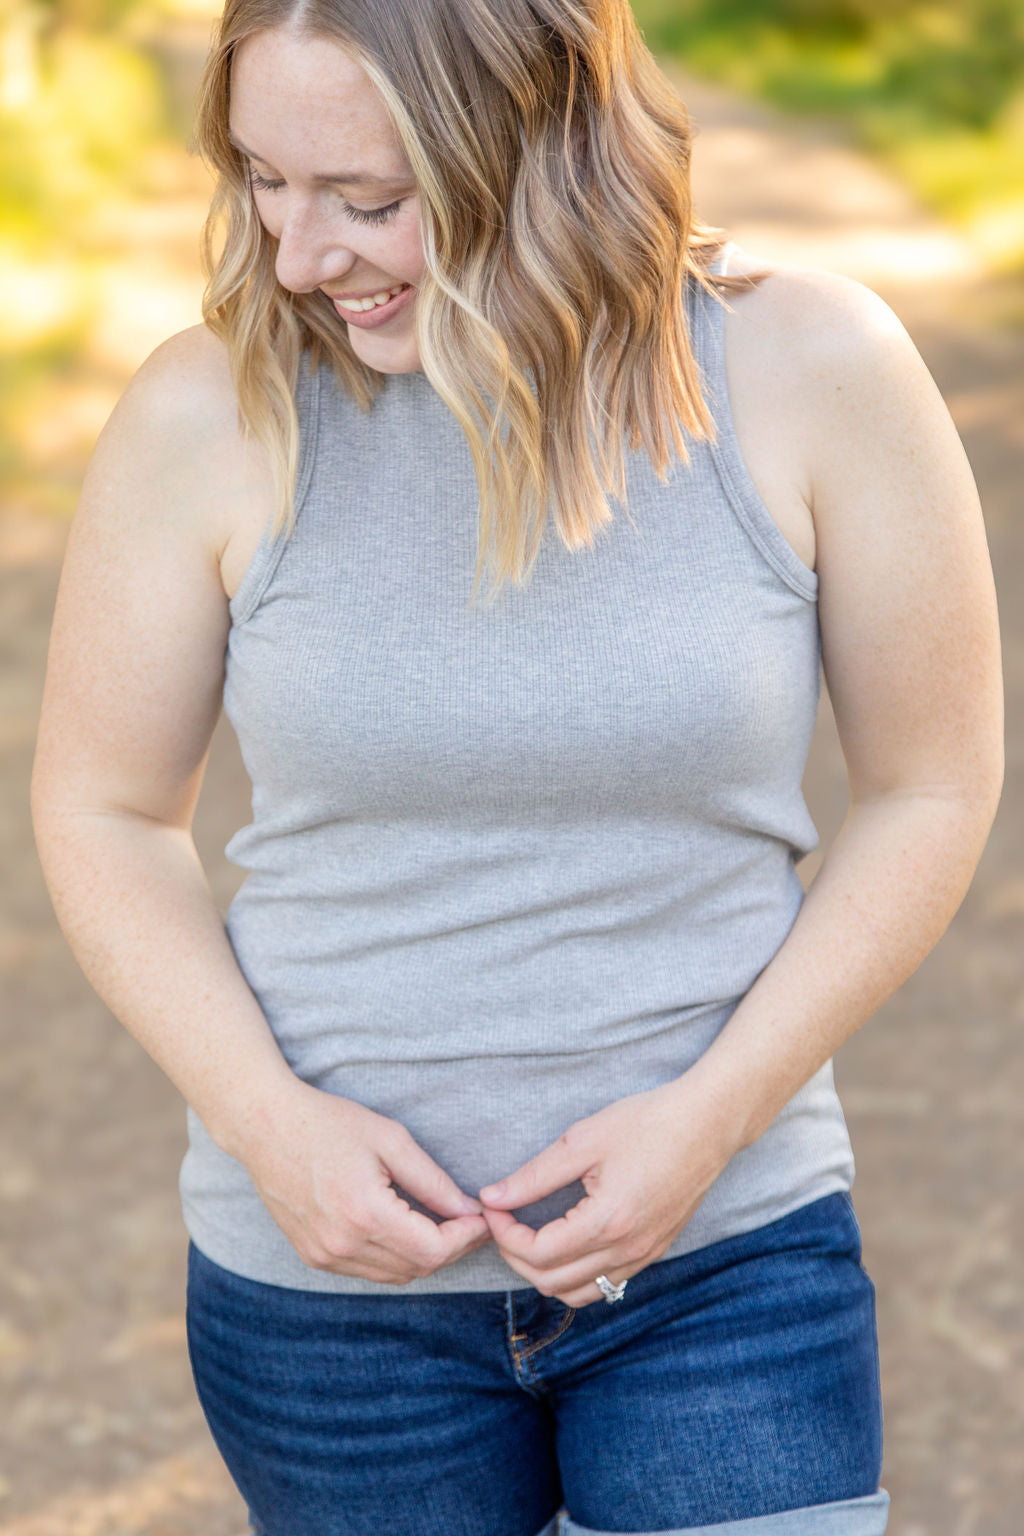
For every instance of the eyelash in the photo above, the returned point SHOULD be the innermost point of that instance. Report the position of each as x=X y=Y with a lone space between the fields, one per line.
x=361 y=215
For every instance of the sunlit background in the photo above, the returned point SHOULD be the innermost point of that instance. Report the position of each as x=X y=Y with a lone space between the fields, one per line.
x=100 y=205
x=880 y=138
x=100 y=210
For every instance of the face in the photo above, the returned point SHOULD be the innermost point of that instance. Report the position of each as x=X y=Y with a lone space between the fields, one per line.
x=332 y=184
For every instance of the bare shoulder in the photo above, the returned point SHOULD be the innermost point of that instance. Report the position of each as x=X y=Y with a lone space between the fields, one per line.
x=184 y=385
x=906 y=600
x=793 y=293
x=828 y=392
x=849 y=376
x=173 y=449
x=813 y=327
x=795 y=342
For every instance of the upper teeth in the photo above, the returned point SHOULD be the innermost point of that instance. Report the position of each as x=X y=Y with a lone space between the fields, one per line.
x=374 y=300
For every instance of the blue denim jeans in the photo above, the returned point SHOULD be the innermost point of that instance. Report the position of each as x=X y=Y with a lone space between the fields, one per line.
x=734 y=1389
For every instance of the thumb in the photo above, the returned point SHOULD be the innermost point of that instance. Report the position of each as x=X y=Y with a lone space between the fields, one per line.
x=553 y=1168
x=417 y=1173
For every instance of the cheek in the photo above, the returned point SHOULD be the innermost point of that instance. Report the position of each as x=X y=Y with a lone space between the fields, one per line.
x=408 y=250
x=270 y=217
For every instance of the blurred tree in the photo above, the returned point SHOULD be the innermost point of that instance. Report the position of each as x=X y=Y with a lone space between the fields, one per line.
x=961 y=64
x=77 y=102
x=83 y=109
x=950 y=61
x=88 y=14
x=935 y=86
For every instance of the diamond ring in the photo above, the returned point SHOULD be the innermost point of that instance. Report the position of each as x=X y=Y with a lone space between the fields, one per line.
x=608 y=1291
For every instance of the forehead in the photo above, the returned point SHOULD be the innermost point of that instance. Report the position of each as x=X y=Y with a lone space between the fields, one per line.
x=313 y=96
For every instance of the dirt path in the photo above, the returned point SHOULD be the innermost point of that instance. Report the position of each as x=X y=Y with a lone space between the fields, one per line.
x=101 y=1435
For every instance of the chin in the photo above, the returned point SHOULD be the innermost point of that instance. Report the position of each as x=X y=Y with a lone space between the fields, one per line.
x=390 y=360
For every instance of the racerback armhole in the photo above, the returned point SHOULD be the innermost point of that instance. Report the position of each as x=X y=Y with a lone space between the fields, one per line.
x=271 y=547
x=726 y=454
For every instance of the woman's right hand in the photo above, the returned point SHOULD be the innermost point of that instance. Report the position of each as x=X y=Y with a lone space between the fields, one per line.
x=325 y=1173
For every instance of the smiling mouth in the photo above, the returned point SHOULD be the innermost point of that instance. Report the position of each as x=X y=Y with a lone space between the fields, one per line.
x=371 y=316
x=373 y=301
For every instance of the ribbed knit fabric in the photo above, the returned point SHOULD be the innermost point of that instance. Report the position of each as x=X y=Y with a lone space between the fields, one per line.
x=509 y=864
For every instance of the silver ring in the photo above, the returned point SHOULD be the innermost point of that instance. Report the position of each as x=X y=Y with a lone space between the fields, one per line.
x=608 y=1291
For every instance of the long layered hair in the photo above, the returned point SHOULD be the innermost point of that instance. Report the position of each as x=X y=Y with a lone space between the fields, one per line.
x=552 y=160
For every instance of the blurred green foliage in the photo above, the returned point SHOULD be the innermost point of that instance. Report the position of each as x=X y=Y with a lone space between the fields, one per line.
x=953 y=62
x=935 y=86
x=83 y=108
x=87 y=14
x=77 y=103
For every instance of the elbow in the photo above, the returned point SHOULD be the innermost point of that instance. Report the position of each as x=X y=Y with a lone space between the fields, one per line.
x=42 y=799
x=987 y=791
x=50 y=797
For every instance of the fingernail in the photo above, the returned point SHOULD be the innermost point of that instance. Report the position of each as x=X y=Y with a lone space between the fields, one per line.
x=493 y=1191
x=471 y=1207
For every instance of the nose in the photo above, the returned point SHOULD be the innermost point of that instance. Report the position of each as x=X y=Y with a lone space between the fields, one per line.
x=309 y=253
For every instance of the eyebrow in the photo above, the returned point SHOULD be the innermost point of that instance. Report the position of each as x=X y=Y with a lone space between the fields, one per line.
x=350 y=178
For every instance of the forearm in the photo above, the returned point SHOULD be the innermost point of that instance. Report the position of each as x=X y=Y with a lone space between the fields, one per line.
x=883 y=897
x=136 y=908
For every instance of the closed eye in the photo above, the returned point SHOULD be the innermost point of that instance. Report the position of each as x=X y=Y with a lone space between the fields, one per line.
x=372 y=215
x=361 y=215
x=261 y=184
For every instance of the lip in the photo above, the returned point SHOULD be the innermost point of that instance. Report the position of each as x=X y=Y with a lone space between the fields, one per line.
x=370 y=319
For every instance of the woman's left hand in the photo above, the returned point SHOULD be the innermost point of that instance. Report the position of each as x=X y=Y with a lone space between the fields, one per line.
x=646 y=1162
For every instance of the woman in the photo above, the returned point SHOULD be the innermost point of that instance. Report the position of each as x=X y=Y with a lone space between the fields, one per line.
x=521 y=1008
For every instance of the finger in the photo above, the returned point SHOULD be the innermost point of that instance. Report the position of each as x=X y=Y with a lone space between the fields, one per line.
x=588 y=1291
x=478 y=1224
x=372 y=1261
x=380 y=1274
x=382 y=1262
x=460 y=1235
x=416 y=1239
x=415 y=1170
x=574 y=1236
x=576 y=1286
x=553 y=1168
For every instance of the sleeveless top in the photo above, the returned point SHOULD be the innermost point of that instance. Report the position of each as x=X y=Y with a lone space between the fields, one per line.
x=509 y=864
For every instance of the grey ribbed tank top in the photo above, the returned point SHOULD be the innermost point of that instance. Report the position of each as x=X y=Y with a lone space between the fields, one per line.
x=509 y=864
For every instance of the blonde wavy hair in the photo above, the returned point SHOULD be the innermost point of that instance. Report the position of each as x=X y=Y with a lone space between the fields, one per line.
x=552 y=160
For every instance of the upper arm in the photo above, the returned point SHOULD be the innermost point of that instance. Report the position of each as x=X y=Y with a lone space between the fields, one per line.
x=136 y=663
x=906 y=597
